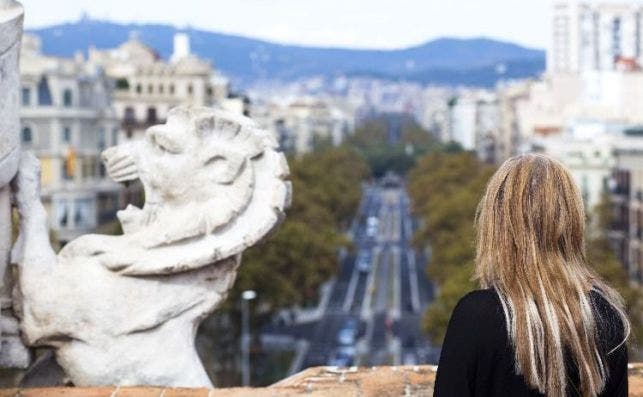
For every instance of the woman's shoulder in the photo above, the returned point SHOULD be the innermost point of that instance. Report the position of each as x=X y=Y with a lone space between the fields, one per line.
x=480 y=305
x=479 y=317
x=479 y=299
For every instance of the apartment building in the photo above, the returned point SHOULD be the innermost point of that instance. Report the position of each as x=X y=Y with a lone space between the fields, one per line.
x=67 y=120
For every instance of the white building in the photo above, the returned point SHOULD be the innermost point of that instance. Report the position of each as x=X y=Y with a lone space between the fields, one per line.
x=67 y=120
x=587 y=149
x=146 y=86
x=590 y=36
x=548 y=106
x=474 y=120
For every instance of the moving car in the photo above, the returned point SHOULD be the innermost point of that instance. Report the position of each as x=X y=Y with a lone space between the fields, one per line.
x=347 y=334
x=344 y=356
x=372 y=224
x=363 y=262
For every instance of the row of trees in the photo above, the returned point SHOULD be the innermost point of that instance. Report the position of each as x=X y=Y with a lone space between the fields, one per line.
x=445 y=189
x=288 y=268
x=392 y=143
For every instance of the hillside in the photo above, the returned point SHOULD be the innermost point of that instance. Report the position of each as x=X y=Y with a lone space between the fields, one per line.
x=445 y=60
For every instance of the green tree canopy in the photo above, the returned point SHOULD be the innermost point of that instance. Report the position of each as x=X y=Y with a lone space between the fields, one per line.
x=289 y=266
x=387 y=150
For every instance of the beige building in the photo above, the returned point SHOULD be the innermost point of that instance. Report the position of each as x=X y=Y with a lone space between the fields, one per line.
x=546 y=107
x=301 y=124
x=67 y=120
x=146 y=86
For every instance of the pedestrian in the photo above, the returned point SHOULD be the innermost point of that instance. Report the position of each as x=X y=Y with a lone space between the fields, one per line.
x=544 y=322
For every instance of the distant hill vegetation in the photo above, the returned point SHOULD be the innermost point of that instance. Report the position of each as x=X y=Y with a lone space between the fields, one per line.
x=477 y=61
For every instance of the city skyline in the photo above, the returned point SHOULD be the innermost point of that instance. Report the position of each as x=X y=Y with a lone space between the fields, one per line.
x=332 y=23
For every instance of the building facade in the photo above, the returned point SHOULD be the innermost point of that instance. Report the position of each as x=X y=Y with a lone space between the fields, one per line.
x=474 y=121
x=588 y=36
x=587 y=149
x=67 y=120
x=304 y=123
x=147 y=87
x=626 y=231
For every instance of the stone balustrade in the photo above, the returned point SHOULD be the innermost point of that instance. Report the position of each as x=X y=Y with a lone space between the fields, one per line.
x=415 y=381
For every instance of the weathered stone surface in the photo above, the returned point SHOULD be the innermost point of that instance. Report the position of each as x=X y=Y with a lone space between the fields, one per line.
x=413 y=381
x=12 y=352
x=123 y=310
x=11 y=15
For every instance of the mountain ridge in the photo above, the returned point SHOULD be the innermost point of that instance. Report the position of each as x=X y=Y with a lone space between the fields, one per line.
x=248 y=59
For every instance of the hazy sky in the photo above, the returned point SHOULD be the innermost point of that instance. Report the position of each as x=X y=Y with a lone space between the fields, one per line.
x=346 y=23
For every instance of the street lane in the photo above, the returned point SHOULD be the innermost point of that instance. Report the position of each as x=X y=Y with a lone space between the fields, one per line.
x=381 y=286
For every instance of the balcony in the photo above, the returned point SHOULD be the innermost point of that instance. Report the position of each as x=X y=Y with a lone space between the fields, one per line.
x=131 y=124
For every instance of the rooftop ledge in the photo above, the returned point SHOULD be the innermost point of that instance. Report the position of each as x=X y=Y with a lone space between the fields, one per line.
x=416 y=380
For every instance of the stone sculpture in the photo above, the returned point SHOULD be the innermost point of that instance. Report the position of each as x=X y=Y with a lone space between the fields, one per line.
x=123 y=310
x=12 y=351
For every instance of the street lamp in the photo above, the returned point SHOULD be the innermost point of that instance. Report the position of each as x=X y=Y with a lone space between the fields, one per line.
x=246 y=296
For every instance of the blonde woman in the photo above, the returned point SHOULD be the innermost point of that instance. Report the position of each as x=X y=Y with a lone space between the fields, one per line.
x=545 y=323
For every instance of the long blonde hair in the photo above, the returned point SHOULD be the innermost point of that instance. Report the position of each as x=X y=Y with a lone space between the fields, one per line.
x=530 y=248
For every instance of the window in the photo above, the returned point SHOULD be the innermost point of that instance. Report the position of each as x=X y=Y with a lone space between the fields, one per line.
x=139 y=88
x=190 y=89
x=26 y=96
x=66 y=169
x=67 y=98
x=27 y=135
x=585 y=188
x=66 y=135
x=161 y=88
x=63 y=215
x=171 y=88
x=81 y=216
x=44 y=94
x=150 y=89
x=151 y=115
x=102 y=144
x=129 y=117
x=114 y=136
x=122 y=84
x=102 y=172
x=87 y=168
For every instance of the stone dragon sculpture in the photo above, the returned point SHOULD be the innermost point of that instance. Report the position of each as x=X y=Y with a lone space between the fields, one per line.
x=123 y=310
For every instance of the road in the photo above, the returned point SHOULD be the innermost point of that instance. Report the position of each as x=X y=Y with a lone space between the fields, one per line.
x=382 y=286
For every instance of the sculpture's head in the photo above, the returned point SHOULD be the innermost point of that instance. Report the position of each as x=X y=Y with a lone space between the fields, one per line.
x=199 y=156
x=201 y=170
